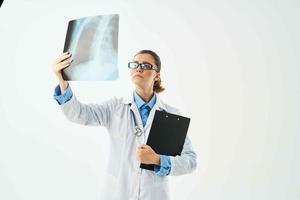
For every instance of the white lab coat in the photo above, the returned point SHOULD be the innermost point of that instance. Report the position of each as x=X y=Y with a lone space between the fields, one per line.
x=125 y=179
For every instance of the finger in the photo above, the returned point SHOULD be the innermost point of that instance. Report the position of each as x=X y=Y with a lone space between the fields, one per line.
x=143 y=146
x=66 y=52
x=138 y=151
x=146 y=147
x=63 y=66
x=65 y=57
x=69 y=60
x=62 y=58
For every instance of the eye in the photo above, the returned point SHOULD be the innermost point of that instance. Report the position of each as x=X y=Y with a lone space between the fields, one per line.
x=133 y=65
x=146 y=66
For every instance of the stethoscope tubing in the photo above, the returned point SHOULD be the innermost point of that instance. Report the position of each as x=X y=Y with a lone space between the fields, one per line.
x=137 y=130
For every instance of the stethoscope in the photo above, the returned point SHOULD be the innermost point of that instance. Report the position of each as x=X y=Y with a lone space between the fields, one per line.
x=137 y=130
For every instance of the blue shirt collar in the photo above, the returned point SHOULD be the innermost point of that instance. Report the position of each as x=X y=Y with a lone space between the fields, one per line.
x=140 y=102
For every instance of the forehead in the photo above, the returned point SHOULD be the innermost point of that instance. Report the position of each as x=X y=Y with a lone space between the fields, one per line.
x=144 y=58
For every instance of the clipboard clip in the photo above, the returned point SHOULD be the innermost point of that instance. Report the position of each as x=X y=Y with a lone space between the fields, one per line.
x=163 y=110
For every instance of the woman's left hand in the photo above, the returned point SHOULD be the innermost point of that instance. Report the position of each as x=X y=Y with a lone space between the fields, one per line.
x=146 y=155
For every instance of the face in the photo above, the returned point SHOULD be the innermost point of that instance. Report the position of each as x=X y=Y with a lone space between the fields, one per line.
x=144 y=78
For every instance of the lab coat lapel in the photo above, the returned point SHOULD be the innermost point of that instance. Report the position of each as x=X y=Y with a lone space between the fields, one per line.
x=159 y=105
x=135 y=111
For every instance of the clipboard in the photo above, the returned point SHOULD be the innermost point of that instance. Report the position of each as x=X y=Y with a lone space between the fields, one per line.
x=167 y=135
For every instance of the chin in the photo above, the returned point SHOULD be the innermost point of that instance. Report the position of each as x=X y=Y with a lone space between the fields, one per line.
x=138 y=83
x=136 y=80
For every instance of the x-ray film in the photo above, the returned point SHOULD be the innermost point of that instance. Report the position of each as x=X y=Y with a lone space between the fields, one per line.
x=93 y=43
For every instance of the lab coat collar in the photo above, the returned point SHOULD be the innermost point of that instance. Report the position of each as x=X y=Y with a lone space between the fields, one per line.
x=140 y=102
x=129 y=100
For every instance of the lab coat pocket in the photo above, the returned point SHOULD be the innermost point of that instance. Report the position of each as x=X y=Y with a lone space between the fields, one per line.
x=161 y=188
x=160 y=179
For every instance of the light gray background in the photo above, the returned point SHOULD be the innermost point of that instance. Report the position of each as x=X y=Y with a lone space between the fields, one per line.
x=232 y=66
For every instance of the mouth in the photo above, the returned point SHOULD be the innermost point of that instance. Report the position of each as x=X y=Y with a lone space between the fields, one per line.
x=137 y=75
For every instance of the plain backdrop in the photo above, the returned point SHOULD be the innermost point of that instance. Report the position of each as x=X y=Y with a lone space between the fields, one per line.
x=232 y=66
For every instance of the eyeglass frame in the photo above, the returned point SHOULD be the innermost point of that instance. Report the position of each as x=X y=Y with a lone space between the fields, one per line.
x=153 y=67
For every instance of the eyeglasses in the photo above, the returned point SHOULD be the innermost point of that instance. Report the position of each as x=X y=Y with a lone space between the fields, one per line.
x=143 y=66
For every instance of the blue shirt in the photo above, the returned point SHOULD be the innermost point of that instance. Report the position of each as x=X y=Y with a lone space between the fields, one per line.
x=144 y=109
x=62 y=98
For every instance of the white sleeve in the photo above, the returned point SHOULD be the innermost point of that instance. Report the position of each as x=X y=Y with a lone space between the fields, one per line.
x=186 y=162
x=89 y=114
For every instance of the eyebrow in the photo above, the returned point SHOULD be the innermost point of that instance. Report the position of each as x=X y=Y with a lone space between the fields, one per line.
x=144 y=62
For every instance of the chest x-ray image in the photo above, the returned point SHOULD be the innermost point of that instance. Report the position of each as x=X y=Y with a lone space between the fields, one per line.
x=93 y=43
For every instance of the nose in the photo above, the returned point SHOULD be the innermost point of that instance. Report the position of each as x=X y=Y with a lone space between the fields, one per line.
x=139 y=69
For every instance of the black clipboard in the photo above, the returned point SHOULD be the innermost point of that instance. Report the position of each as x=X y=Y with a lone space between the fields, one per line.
x=167 y=135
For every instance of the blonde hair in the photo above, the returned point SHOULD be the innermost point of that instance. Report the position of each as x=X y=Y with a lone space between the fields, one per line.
x=157 y=87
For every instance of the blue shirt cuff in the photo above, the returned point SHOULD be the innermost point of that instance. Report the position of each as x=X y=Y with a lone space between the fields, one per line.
x=165 y=166
x=62 y=98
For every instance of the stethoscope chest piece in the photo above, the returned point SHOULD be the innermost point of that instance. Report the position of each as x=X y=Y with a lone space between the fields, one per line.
x=138 y=131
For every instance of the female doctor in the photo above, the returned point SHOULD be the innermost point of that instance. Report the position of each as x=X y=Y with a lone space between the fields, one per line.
x=128 y=122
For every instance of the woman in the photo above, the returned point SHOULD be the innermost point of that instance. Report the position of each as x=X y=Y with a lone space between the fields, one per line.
x=126 y=180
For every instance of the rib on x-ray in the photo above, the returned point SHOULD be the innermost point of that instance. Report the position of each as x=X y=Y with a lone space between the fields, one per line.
x=93 y=43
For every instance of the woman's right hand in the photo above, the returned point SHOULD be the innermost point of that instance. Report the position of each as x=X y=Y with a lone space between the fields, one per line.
x=62 y=62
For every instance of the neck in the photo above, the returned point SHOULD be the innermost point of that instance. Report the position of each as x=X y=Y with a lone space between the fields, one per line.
x=145 y=94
